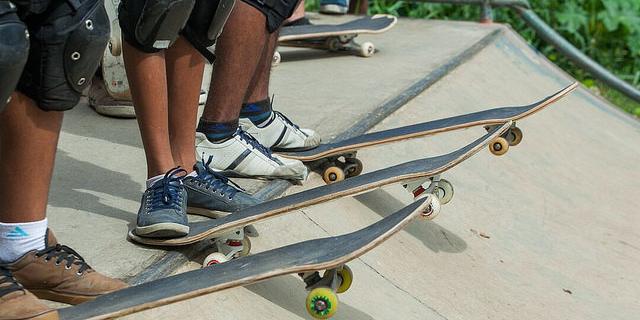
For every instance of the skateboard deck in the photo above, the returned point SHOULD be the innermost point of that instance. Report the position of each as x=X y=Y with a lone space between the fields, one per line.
x=328 y=157
x=305 y=257
x=337 y=37
x=417 y=169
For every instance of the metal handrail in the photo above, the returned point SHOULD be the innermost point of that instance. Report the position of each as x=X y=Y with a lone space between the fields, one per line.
x=523 y=8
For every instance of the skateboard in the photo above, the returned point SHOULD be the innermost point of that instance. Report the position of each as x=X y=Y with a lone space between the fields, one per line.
x=337 y=161
x=427 y=168
x=306 y=258
x=336 y=37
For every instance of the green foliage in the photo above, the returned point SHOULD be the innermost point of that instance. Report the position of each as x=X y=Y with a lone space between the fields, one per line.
x=608 y=31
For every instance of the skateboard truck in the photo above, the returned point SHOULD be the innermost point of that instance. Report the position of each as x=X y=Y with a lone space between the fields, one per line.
x=441 y=188
x=348 y=43
x=228 y=246
x=339 y=167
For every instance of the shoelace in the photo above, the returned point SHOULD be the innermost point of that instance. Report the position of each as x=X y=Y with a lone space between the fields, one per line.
x=214 y=180
x=8 y=283
x=249 y=139
x=286 y=120
x=164 y=193
x=63 y=253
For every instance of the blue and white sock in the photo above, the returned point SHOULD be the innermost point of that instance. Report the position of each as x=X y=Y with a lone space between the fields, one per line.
x=258 y=112
x=217 y=132
x=16 y=239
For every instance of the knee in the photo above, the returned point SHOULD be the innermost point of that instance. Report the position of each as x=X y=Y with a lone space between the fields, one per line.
x=153 y=25
x=14 y=50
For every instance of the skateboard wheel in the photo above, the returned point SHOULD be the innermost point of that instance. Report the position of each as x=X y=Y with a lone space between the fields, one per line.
x=277 y=58
x=333 y=174
x=347 y=279
x=515 y=136
x=322 y=303
x=367 y=49
x=499 y=146
x=432 y=210
x=354 y=167
x=246 y=247
x=334 y=44
x=213 y=259
x=444 y=191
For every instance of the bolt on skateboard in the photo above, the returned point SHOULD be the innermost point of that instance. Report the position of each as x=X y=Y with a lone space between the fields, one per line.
x=307 y=258
x=336 y=37
x=427 y=168
x=337 y=161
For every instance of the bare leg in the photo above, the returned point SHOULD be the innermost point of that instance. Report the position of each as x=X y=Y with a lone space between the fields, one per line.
x=259 y=87
x=185 y=66
x=28 y=140
x=239 y=50
x=148 y=82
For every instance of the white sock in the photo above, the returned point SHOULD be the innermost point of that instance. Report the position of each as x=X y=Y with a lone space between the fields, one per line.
x=192 y=174
x=16 y=239
x=153 y=180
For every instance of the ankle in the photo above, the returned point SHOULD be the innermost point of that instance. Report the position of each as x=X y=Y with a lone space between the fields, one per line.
x=217 y=132
x=257 y=112
x=16 y=239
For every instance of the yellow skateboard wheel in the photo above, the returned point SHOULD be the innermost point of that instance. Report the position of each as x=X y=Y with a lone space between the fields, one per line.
x=322 y=303
x=347 y=279
x=333 y=174
x=499 y=146
x=516 y=136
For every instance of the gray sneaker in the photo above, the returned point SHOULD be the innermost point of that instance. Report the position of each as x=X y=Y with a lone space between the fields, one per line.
x=163 y=210
x=213 y=195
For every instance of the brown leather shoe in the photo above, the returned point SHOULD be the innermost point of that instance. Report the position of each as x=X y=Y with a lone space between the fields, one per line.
x=58 y=273
x=16 y=303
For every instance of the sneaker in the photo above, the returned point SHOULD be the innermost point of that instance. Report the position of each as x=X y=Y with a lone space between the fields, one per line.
x=334 y=6
x=163 y=209
x=280 y=134
x=243 y=156
x=104 y=104
x=213 y=195
x=18 y=303
x=58 y=273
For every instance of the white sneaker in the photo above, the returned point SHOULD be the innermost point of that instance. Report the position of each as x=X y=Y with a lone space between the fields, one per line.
x=243 y=156
x=280 y=134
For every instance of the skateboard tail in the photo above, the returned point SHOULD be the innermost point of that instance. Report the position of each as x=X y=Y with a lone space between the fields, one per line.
x=318 y=254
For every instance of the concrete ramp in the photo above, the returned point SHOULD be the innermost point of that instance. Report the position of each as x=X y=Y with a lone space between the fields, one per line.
x=548 y=230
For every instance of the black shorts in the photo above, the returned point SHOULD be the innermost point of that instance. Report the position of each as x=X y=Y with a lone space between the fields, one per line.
x=195 y=30
x=276 y=11
x=51 y=23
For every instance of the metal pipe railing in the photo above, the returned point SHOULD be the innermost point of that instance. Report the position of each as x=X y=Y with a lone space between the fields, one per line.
x=523 y=8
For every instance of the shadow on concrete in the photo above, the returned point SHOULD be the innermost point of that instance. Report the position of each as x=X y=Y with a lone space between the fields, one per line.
x=78 y=185
x=309 y=54
x=431 y=234
x=84 y=121
x=288 y=293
